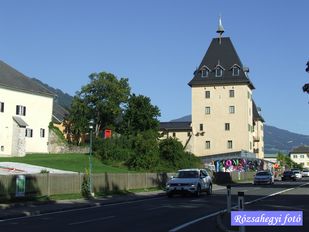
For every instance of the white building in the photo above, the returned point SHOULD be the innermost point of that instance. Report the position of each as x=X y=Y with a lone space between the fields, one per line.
x=300 y=155
x=25 y=113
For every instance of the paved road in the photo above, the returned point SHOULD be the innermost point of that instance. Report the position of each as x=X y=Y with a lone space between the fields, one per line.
x=165 y=214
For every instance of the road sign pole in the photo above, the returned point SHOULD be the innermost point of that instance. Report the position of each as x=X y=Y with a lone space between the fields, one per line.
x=228 y=188
x=241 y=207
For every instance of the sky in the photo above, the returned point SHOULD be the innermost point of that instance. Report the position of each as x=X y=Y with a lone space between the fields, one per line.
x=157 y=44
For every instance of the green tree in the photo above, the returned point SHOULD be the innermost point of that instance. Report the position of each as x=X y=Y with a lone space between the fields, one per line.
x=103 y=100
x=140 y=115
x=76 y=123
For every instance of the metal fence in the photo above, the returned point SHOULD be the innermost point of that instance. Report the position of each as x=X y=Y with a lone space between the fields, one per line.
x=51 y=184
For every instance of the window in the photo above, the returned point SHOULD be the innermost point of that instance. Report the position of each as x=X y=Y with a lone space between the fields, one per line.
x=29 y=133
x=20 y=110
x=207 y=110
x=232 y=93
x=250 y=145
x=235 y=71
x=249 y=95
x=1 y=106
x=219 y=72
x=227 y=126
x=207 y=94
x=201 y=127
x=294 y=156
x=249 y=127
x=42 y=133
x=302 y=156
x=174 y=134
x=232 y=109
x=205 y=72
x=207 y=145
x=229 y=144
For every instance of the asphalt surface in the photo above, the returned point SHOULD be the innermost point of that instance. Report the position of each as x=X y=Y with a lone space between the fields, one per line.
x=156 y=212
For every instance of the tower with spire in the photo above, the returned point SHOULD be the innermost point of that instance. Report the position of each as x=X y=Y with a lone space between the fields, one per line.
x=225 y=119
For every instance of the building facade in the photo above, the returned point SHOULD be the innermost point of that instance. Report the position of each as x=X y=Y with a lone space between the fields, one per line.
x=224 y=116
x=300 y=155
x=25 y=113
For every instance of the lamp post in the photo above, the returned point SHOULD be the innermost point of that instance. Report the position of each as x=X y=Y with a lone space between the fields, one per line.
x=91 y=122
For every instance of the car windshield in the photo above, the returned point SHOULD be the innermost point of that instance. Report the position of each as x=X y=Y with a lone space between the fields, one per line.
x=262 y=174
x=296 y=171
x=187 y=174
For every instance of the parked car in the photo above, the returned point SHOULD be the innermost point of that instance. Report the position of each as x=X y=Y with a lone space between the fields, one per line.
x=297 y=174
x=305 y=172
x=193 y=181
x=288 y=175
x=264 y=177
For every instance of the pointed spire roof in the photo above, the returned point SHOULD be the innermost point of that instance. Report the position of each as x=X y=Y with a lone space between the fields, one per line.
x=221 y=52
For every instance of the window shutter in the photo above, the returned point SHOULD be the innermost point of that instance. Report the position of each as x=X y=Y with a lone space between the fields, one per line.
x=24 y=113
x=17 y=109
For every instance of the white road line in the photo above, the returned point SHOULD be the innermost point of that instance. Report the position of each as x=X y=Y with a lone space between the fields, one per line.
x=92 y=220
x=234 y=207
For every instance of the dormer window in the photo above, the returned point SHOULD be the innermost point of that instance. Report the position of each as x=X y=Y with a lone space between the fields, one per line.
x=205 y=73
x=219 y=72
x=235 y=71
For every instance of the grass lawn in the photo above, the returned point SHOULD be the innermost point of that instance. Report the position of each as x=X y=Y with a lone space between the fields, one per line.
x=69 y=162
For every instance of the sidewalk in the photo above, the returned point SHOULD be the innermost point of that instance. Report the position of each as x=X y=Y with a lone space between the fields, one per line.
x=35 y=208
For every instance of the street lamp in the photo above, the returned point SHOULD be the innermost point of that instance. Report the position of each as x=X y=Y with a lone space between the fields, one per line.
x=91 y=122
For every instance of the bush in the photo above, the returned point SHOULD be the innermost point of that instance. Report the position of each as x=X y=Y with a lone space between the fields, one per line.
x=85 y=185
x=173 y=156
x=146 y=151
x=113 y=149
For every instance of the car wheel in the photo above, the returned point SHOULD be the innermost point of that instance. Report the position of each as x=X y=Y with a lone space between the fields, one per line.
x=209 y=190
x=198 y=191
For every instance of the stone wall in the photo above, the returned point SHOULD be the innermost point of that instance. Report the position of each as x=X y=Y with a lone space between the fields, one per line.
x=56 y=145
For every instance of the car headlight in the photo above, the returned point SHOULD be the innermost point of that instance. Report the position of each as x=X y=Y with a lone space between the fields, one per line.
x=167 y=185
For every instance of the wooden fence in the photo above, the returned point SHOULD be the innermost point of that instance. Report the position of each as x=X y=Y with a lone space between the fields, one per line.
x=51 y=184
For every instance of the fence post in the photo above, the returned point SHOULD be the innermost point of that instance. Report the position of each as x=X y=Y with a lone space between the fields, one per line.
x=48 y=184
x=241 y=207
x=228 y=187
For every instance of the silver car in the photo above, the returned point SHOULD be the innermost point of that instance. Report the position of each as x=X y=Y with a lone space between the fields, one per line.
x=192 y=181
x=264 y=177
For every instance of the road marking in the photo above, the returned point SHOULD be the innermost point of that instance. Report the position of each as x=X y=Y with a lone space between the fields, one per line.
x=234 y=207
x=92 y=220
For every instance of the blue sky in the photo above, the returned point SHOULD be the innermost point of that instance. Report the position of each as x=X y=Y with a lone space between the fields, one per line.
x=157 y=44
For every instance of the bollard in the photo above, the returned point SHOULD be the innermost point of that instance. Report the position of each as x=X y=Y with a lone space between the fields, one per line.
x=228 y=196
x=241 y=207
